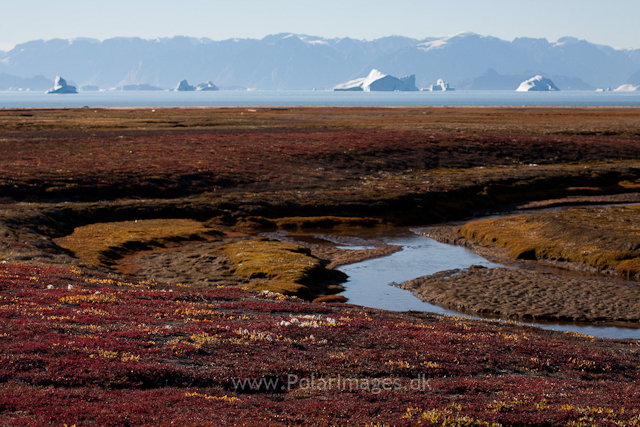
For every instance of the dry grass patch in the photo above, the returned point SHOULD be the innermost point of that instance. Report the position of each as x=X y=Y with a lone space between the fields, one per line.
x=607 y=238
x=104 y=243
x=629 y=185
x=280 y=267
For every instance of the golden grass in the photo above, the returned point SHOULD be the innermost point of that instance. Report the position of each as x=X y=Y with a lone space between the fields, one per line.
x=281 y=266
x=604 y=238
x=629 y=185
x=102 y=243
x=330 y=299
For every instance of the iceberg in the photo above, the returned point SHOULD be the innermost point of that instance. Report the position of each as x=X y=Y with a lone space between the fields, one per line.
x=207 y=86
x=184 y=86
x=61 y=86
x=537 y=84
x=440 y=85
x=378 y=81
x=627 y=88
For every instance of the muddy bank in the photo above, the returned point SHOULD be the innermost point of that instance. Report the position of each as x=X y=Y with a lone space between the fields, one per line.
x=527 y=294
x=448 y=234
x=203 y=264
x=583 y=200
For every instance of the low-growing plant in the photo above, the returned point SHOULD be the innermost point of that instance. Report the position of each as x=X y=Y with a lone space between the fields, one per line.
x=281 y=267
x=603 y=238
x=104 y=243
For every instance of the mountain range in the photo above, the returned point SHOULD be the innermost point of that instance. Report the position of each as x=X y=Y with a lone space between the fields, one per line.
x=292 y=61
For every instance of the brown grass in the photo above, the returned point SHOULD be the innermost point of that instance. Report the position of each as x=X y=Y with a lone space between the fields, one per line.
x=330 y=299
x=607 y=238
x=282 y=267
x=103 y=243
x=538 y=120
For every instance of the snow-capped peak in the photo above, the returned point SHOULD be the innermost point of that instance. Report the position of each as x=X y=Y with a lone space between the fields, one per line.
x=440 y=42
x=83 y=39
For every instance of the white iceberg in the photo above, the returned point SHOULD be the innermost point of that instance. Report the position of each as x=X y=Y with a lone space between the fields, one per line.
x=207 y=86
x=184 y=86
x=441 y=85
x=61 y=86
x=377 y=81
x=627 y=88
x=537 y=84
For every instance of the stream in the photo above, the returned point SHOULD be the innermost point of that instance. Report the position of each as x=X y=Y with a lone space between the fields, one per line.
x=369 y=281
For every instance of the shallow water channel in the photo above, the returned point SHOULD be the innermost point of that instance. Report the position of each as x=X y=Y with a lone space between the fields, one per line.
x=369 y=281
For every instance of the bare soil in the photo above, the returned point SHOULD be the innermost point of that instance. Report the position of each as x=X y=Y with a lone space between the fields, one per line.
x=200 y=265
x=528 y=294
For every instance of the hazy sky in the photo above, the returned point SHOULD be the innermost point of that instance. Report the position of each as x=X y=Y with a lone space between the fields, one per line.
x=613 y=23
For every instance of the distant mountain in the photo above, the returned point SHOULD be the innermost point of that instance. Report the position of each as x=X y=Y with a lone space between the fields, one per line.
x=292 y=61
x=34 y=83
x=140 y=87
x=634 y=79
x=491 y=80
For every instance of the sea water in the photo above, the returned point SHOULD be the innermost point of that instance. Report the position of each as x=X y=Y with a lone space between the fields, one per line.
x=315 y=98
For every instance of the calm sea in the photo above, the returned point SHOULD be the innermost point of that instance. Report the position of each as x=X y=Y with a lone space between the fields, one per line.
x=316 y=98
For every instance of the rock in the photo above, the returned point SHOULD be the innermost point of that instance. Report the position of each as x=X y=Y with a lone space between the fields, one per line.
x=184 y=86
x=377 y=81
x=62 y=87
x=537 y=84
x=207 y=86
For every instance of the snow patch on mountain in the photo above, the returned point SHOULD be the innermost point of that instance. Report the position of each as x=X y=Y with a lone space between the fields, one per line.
x=442 y=42
x=83 y=40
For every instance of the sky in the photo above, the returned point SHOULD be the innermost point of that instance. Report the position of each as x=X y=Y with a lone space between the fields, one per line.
x=615 y=24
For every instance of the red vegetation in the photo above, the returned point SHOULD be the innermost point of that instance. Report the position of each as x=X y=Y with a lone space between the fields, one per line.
x=175 y=165
x=111 y=353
